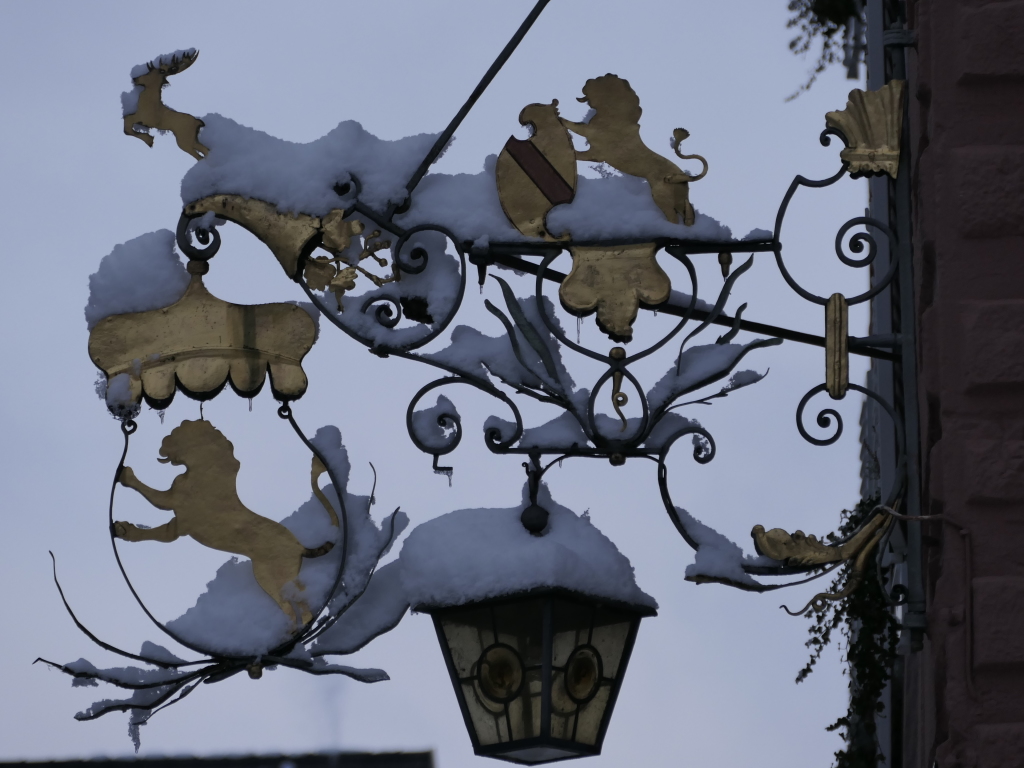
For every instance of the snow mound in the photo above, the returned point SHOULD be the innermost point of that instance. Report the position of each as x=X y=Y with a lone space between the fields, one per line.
x=142 y=274
x=475 y=554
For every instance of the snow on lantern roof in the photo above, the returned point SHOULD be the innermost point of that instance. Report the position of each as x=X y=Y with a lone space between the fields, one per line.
x=476 y=554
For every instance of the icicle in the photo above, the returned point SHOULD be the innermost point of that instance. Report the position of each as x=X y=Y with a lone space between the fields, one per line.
x=161 y=414
x=559 y=463
x=446 y=471
x=250 y=405
x=579 y=324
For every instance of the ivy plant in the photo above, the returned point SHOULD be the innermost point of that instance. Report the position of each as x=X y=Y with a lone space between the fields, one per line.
x=870 y=633
x=824 y=20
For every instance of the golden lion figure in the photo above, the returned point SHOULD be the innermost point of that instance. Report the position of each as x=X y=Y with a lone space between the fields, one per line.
x=205 y=503
x=614 y=136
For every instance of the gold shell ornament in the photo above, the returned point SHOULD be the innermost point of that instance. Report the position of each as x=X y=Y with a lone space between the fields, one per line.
x=872 y=124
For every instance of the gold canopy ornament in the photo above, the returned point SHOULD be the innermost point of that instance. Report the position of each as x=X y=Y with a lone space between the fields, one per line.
x=614 y=280
x=536 y=174
x=872 y=124
x=200 y=342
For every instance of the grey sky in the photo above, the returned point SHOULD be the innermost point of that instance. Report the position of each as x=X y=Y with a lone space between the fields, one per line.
x=711 y=681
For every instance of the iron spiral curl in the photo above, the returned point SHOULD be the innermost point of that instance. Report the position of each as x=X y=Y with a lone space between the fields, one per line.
x=857 y=242
x=492 y=435
x=207 y=237
x=388 y=311
x=824 y=138
x=824 y=419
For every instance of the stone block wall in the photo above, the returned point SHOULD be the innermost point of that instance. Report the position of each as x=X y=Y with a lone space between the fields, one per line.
x=965 y=691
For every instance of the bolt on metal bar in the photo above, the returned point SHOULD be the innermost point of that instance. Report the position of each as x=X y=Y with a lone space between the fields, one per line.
x=446 y=135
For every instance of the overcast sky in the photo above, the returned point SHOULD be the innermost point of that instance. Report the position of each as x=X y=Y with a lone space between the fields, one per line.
x=711 y=680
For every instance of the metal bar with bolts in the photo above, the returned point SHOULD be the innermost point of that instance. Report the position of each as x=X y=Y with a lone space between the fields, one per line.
x=857 y=346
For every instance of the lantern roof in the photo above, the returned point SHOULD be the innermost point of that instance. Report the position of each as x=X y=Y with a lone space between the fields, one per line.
x=471 y=555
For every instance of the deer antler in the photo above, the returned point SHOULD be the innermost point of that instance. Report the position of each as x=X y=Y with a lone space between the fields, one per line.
x=175 y=65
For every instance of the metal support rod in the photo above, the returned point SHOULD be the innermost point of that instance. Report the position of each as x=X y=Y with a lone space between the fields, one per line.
x=915 y=618
x=446 y=135
x=857 y=346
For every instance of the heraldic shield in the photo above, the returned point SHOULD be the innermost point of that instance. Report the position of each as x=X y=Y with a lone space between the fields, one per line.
x=536 y=174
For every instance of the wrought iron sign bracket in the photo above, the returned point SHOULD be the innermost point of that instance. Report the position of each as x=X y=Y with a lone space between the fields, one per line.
x=413 y=256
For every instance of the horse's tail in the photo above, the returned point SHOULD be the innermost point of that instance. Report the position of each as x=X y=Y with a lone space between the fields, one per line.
x=320 y=551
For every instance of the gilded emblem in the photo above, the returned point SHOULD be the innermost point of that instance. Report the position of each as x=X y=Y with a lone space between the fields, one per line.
x=536 y=174
x=205 y=504
x=200 y=342
x=614 y=280
x=872 y=124
x=614 y=136
x=151 y=113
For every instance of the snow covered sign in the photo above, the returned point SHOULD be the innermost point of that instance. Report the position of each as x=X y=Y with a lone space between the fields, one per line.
x=382 y=248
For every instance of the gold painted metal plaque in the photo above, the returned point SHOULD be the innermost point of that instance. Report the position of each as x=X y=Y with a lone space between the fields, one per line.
x=872 y=123
x=538 y=173
x=837 y=355
x=200 y=342
x=206 y=506
x=614 y=280
x=152 y=113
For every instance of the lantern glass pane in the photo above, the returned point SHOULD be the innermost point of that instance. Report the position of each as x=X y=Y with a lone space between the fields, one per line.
x=496 y=652
x=587 y=648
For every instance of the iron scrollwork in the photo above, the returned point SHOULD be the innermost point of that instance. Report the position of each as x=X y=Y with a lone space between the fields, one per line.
x=534 y=341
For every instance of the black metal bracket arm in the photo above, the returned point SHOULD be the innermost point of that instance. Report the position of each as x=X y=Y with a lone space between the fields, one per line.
x=506 y=255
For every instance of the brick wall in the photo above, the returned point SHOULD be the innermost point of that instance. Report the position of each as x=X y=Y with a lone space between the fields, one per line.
x=965 y=696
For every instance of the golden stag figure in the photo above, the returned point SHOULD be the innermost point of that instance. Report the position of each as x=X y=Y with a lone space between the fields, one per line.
x=614 y=136
x=205 y=503
x=152 y=113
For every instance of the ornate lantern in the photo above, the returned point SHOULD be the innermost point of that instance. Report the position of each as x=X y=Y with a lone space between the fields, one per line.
x=537 y=673
x=536 y=615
